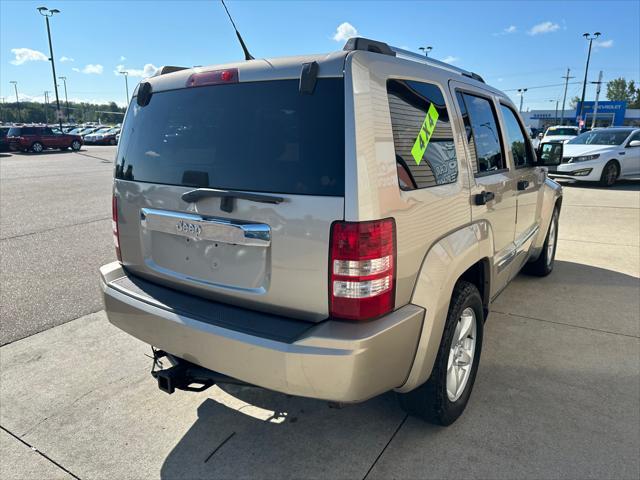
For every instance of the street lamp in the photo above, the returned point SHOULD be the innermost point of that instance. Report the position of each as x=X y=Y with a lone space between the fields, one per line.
x=46 y=106
x=426 y=50
x=66 y=99
x=591 y=38
x=521 y=93
x=556 y=117
x=126 y=83
x=15 y=86
x=45 y=12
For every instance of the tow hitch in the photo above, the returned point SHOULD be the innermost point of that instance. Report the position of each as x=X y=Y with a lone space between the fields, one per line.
x=183 y=375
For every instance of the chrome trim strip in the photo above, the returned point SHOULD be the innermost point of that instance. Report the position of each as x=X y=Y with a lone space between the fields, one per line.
x=526 y=236
x=198 y=227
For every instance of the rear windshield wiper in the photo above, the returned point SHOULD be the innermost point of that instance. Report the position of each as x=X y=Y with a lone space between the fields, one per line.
x=227 y=197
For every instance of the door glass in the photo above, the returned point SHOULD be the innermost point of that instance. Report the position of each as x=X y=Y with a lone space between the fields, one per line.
x=480 y=118
x=516 y=138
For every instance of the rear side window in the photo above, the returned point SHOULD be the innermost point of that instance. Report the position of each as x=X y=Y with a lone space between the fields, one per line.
x=522 y=155
x=482 y=133
x=254 y=136
x=17 y=131
x=422 y=135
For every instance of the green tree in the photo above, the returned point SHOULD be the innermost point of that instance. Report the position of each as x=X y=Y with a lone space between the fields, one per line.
x=622 y=91
x=573 y=103
x=35 y=112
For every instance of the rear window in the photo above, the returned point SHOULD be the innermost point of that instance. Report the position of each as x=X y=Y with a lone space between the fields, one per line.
x=17 y=131
x=255 y=136
x=562 y=131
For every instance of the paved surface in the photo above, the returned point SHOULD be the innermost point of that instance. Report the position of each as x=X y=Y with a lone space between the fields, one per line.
x=55 y=231
x=556 y=396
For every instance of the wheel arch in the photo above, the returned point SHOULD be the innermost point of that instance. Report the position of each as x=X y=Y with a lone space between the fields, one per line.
x=464 y=253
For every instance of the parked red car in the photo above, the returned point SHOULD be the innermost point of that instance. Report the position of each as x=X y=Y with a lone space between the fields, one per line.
x=38 y=139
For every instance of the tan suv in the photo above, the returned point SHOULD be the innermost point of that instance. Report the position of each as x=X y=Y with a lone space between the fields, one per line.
x=330 y=226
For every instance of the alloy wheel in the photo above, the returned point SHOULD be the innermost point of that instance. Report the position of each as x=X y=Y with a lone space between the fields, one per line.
x=461 y=354
x=551 y=242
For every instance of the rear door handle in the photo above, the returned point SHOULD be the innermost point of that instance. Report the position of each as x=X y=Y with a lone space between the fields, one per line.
x=523 y=184
x=484 y=197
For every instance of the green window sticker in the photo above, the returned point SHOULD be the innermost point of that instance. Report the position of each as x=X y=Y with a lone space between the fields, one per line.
x=424 y=135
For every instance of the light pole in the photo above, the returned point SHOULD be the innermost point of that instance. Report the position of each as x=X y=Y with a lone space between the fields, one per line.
x=126 y=83
x=591 y=38
x=46 y=107
x=521 y=92
x=66 y=99
x=564 y=98
x=15 y=86
x=46 y=13
x=426 y=50
x=556 y=116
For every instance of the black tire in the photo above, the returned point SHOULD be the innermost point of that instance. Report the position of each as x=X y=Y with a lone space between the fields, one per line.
x=543 y=266
x=609 y=174
x=75 y=145
x=37 y=147
x=112 y=141
x=430 y=401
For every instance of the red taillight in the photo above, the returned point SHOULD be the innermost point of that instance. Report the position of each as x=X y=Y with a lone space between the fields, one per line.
x=214 y=77
x=362 y=267
x=114 y=226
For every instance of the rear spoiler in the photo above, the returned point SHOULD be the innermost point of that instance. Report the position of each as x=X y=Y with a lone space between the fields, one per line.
x=168 y=69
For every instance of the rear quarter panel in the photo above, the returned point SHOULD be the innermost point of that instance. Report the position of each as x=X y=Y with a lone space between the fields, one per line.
x=371 y=183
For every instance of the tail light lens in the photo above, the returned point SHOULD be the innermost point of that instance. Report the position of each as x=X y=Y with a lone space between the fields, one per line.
x=362 y=277
x=114 y=226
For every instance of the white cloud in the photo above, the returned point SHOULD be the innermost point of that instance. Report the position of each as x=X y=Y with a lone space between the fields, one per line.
x=344 y=32
x=66 y=59
x=544 y=27
x=603 y=44
x=75 y=69
x=450 y=59
x=27 y=55
x=93 y=69
x=122 y=58
x=506 y=31
x=148 y=70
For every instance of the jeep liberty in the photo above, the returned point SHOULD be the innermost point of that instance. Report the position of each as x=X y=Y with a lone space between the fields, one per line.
x=329 y=226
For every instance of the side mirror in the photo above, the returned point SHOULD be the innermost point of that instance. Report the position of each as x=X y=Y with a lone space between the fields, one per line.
x=634 y=143
x=550 y=154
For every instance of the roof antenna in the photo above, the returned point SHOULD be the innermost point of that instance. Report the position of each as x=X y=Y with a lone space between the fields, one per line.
x=247 y=55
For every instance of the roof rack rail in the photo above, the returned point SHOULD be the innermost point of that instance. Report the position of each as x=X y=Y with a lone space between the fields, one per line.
x=368 y=45
x=416 y=57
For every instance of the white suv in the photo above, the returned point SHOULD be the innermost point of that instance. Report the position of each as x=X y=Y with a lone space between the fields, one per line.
x=559 y=134
x=601 y=155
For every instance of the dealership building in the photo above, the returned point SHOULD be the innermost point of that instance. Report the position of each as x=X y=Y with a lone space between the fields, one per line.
x=609 y=114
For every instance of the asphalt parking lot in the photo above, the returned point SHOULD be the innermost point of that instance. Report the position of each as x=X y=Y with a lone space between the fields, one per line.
x=557 y=393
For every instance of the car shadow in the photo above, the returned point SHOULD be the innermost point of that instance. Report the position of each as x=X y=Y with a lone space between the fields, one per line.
x=248 y=432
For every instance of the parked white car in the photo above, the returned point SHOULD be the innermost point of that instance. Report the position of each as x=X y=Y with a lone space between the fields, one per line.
x=601 y=155
x=560 y=133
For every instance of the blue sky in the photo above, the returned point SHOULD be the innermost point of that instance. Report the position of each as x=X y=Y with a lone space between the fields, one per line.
x=511 y=44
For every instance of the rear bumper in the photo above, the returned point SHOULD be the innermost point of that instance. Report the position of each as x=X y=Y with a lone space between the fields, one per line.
x=337 y=361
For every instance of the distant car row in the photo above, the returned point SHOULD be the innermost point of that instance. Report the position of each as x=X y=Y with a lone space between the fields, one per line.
x=39 y=138
x=97 y=135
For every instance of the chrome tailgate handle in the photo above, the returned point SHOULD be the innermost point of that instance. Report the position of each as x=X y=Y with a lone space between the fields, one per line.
x=202 y=228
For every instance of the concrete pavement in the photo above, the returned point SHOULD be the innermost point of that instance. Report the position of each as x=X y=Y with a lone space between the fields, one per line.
x=556 y=396
x=55 y=231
